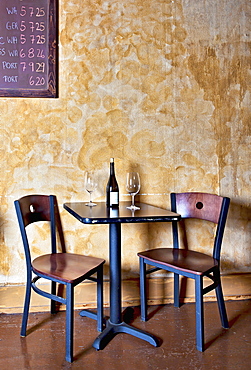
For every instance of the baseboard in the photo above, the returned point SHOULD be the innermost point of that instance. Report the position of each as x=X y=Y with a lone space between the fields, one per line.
x=160 y=290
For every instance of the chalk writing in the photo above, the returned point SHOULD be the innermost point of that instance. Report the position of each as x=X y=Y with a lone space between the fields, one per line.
x=25 y=46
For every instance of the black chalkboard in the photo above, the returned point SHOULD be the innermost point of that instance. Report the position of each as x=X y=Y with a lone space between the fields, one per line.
x=28 y=48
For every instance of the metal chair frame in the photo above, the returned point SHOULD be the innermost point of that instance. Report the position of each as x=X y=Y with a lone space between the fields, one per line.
x=213 y=273
x=45 y=212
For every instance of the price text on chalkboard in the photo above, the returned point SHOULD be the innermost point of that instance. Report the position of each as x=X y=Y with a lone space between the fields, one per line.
x=28 y=48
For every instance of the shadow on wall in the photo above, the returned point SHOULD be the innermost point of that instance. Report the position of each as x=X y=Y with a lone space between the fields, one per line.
x=236 y=251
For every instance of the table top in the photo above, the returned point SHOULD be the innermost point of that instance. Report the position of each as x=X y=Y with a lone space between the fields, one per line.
x=100 y=214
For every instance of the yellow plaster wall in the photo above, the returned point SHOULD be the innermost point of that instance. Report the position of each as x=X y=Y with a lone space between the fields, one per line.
x=162 y=86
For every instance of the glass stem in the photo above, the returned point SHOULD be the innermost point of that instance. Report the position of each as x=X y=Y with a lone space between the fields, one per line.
x=90 y=197
x=133 y=199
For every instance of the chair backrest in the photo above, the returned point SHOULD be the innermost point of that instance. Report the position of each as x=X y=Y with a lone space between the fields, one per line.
x=35 y=208
x=203 y=206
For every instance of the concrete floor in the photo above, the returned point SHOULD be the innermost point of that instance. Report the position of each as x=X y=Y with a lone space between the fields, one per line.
x=44 y=346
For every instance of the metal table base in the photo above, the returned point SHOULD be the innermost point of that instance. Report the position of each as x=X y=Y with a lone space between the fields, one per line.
x=115 y=325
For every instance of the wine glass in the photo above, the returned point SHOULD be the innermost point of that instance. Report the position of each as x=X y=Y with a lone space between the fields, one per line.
x=90 y=186
x=133 y=187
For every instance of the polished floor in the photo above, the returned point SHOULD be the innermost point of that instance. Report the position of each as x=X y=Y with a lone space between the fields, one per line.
x=43 y=348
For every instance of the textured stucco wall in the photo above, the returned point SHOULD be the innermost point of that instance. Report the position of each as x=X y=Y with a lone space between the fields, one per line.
x=162 y=86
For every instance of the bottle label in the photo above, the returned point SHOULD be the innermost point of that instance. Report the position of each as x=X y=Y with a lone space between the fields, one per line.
x=114 y=212
x=114 y=198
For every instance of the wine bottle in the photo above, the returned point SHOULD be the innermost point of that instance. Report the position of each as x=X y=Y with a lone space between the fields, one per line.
x=112 y=188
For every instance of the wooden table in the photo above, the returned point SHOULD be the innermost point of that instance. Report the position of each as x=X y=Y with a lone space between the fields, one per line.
x=100 y=214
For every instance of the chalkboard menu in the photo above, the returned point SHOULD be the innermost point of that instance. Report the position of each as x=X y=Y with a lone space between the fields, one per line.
x=28 y=48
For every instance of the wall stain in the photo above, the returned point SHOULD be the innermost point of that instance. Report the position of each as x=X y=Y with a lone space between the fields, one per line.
x=161 y=86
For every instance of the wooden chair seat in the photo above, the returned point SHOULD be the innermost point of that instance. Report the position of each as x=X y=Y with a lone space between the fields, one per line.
x=181 y=259
x=67 y=267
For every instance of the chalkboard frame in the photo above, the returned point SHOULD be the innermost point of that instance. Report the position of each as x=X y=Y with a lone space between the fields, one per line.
x=52 y=91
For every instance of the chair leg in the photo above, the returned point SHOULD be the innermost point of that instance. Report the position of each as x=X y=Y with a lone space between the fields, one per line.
x=221 y=306
x=26 y=307
x=69 y=322
x=53 y=291
x=100 y=310
x=176 y=290
x=199 y=313
x=143 y=300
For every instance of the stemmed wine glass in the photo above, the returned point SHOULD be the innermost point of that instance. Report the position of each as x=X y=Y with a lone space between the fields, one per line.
x=90 y=186
x=133 y=187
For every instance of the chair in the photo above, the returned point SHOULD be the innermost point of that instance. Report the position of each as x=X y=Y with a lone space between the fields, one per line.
x=63 y=268
x=188 y=263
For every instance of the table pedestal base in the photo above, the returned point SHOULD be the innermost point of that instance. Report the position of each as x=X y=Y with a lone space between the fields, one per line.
x=112 y=329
